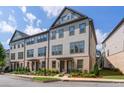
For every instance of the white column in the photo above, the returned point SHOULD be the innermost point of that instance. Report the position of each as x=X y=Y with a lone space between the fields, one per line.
x=34 y=65
x=65 y=66
x=30 y=65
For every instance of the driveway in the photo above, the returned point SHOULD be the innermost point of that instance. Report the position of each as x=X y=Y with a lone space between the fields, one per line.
x=11 y=81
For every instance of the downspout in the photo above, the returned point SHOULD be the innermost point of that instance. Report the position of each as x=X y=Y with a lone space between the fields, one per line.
x=89 y=48
x=24 y=51
x=48 y=48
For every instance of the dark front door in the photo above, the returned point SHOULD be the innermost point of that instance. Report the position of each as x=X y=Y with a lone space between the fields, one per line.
x=61 y=66
x=37 y=65
x=70 y=66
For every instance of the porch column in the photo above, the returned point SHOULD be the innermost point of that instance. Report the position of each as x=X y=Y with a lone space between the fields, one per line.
x=30 y=66
x=65 y=66
x=34 y=66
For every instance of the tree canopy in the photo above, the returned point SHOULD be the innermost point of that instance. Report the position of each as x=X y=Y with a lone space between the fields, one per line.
x=2 y=55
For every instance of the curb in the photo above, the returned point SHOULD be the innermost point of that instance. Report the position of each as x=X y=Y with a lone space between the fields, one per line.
x=46 y=81
x=70 y=80
x=110 y=81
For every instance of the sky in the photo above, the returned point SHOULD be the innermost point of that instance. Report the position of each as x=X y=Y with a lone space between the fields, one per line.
x=35 y=19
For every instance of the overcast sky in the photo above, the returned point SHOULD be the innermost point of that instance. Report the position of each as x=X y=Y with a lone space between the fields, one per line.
x=33 y=20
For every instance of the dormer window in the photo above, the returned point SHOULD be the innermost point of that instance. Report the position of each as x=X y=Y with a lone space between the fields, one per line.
x=63 y=18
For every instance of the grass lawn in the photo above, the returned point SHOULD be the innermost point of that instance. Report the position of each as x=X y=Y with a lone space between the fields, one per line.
x=111 y=74
x=44 y=79
x=113 y=77
x=108 y=72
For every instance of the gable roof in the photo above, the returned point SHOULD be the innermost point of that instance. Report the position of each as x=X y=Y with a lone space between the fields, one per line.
x=17 y=31
x=67 y=8
x=114 y=30
x=28 y=36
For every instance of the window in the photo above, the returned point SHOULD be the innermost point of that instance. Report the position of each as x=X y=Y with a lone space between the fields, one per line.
x=12 y=56
x=22 y=45
x=11 y=47
x=14 y=46
x=77 y=47
x=42 y=51
x=71 y=30
x=30 y=53
x=42 y=38
x=53 y=35
x=30 y=41
x=57 y=50
x=18 y=45
x=43 y=64
x=82 y=27
x=53 y=64
x=20 y=55
x=79 y=64
x=63 y=18
x=61 y=33
x=73 y=16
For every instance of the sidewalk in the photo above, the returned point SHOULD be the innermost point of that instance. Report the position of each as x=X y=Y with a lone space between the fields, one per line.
x=65 y=78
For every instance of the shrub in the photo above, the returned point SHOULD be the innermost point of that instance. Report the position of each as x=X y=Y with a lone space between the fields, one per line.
x=46 y=72
x=89 y=75
x=76 y=73
x=96 y=69
x=21 y=71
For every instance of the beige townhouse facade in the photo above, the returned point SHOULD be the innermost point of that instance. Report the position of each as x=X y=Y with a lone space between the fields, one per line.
x=69 y=44
x=113 y=47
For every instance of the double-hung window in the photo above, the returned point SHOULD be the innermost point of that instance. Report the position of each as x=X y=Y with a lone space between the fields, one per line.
x=53 y=35
x=61 y=33
x=20 y=55
x=82 y=28
x=30 y=53
x=79 y=64
x=71 y=30
x=12 y=56
x=57 y=50
x=42 y=51
x=77 y=47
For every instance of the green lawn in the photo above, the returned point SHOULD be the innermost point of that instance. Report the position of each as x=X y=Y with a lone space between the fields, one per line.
x=44 y=79
x=111 y=74
x=108 y=72
x=113 y=77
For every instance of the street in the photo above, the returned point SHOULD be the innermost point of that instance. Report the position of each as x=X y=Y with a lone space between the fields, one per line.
x=12 y=81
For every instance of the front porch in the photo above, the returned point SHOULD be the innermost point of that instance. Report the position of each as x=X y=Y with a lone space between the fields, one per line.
x=33 y=64
x=66 y=64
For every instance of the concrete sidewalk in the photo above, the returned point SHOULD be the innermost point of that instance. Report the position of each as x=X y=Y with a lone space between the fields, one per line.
x=65 y=78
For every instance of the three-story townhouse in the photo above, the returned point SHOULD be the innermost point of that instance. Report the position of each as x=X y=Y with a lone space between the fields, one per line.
x=69 y=44
x=72 y=42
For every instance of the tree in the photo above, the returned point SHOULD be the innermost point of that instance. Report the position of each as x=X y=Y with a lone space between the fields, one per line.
x=2 y=57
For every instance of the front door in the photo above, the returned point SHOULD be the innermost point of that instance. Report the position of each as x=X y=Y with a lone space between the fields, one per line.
x=62 y=66
x=37 y=65
x=70 y=66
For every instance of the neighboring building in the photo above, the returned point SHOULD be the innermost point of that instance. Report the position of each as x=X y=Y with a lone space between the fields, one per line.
x=113 y=47
x=70 y=43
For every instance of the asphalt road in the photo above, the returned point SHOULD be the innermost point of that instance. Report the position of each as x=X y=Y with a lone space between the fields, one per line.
x=11 y=81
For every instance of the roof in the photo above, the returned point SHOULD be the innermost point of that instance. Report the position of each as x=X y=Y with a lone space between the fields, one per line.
x=24 y=35
x=114 y=30
x=82 y=15
x=31 y=36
